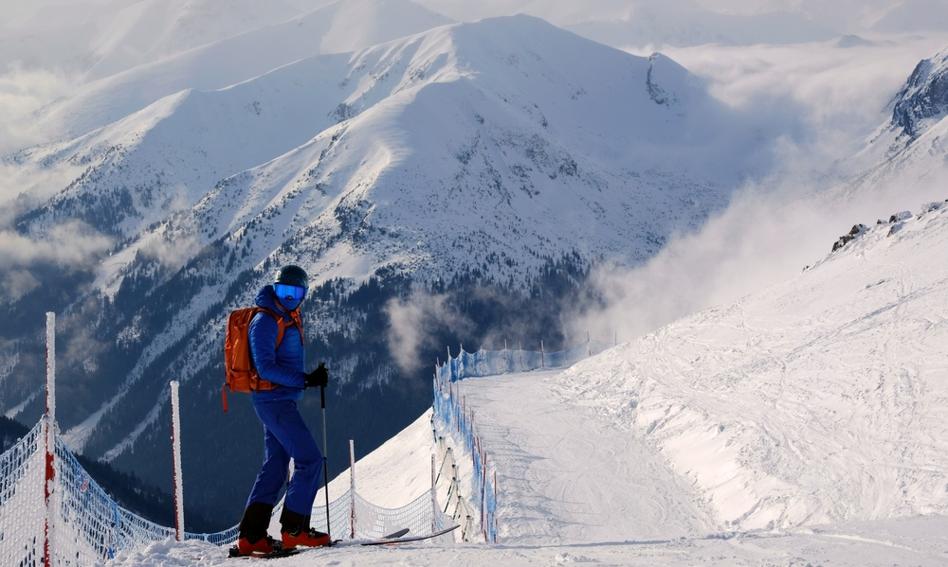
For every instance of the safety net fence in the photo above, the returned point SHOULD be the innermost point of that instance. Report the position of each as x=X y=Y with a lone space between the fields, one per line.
x=353 y=517
x=88 y=527
x=454 y=417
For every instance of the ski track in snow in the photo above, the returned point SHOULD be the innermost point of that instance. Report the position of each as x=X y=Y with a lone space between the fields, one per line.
x=566 y=475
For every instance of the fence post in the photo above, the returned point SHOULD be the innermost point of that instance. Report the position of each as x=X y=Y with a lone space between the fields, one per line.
x=50 y=475
x=451 y=377
x=484 y=492
x=588 y=345
x=176 y=458
x=494 y=515
x=434 y=495
x=508 y=366
x=615 y=337
x=542 y=355
x=352 y=489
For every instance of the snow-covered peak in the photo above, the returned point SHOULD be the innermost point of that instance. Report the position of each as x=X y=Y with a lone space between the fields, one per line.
x=510 y=118
x=908 y=148
x=923 y=100
x=488 y=132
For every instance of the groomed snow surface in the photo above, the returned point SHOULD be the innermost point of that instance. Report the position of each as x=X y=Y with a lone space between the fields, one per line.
x=807 y=424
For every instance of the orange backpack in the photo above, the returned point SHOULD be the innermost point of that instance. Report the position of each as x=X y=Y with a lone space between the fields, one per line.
x=241 y=376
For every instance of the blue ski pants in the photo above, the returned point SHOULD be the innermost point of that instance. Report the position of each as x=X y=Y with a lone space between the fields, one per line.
x=285 y=435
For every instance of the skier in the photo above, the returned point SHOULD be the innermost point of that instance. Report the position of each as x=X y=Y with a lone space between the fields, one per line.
x=284 y=432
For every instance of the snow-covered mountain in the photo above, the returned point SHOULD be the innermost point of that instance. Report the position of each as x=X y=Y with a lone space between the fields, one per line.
x=339 y=27
x=909 y=147
x=146 y=30
x=96 y=38
x=923 y=102
x=496 y=155
x=520 y=121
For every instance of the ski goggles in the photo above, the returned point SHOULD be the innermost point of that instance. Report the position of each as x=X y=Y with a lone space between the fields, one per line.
x=289 y=292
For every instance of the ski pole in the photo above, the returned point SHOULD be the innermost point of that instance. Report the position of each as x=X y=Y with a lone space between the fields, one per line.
x=322 y=395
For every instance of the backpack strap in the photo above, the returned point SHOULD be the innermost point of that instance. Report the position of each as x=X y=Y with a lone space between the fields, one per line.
x=283 y=324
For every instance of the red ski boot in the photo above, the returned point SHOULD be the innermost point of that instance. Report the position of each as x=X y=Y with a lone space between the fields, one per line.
x=253 y=538
x=263 y=546
x=307 y=538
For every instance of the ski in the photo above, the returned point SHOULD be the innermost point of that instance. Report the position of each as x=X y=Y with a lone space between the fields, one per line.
x=396 y=534
x=393 y=538
x=395 y=541
x=275 y=554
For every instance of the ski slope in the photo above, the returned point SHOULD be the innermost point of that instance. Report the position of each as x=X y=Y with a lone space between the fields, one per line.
x=568 y=476
x=821 y=400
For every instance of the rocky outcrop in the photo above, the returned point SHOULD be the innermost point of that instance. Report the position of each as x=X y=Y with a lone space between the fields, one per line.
x=924 y=98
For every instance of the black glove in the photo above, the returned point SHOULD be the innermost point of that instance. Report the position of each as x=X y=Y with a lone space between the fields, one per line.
x=318 y=378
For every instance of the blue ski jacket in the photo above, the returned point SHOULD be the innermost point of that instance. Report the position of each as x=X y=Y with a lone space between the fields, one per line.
x=284 y=366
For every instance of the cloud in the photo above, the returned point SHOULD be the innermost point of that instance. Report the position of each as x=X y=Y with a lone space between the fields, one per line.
x=414 y=323
x=70 y=245
x=23 y=92
x=768 y=234
x=829 y=99
x=176 y=242
x=82 y=347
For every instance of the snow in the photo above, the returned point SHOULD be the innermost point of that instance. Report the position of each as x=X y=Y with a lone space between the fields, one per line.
x=566 y=476
x=383 y=484
x=152 y=29
x=339 y=27
x=819 y=400
x=549 y=125
x=916 y=541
